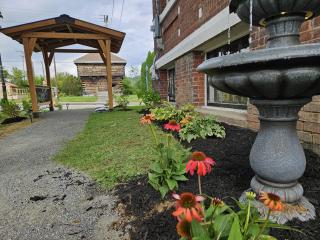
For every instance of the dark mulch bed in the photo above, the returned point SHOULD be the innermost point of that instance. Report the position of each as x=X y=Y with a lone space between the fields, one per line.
x=13 y=120
x=230 y=178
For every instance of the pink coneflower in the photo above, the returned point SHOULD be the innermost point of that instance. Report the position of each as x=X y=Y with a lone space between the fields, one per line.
x=172 y=125
x=200 y=162
x=188 y=207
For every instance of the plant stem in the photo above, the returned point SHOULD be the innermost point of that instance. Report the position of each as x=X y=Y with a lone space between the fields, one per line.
x=264 y=225
x=199 y=182
x=154 y=135
x=247 y=219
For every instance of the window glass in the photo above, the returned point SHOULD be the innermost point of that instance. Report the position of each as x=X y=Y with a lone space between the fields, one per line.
x=216 y=97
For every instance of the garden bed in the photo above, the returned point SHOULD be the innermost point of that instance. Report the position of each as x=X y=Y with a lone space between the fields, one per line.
x=151 y=217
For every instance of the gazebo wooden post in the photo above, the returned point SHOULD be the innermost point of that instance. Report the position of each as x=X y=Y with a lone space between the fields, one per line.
x=47 y=64
x=105 y=46
x=29 y=44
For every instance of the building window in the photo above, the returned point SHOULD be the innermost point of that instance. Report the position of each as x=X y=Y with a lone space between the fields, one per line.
x=171 y=85
x=216 y=97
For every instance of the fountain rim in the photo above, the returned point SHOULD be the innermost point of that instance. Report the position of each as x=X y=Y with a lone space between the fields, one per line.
x=234 y=5
x=266 y=55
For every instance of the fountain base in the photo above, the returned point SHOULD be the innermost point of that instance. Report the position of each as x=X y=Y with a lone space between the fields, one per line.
x=277 y=156
x=302 y=210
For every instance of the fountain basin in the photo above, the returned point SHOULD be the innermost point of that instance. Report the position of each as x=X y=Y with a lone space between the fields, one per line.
x=265 y=9
x=291 y=72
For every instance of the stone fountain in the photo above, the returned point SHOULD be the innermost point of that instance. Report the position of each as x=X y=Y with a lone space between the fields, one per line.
x=279 y=80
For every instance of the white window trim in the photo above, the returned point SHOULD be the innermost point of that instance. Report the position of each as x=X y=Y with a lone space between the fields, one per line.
x=210 y=29
x=166 y=10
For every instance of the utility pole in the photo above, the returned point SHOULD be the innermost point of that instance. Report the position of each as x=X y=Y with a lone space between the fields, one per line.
x=55 y=76
x=4 y=88
x=3 y=81
x=23 y=68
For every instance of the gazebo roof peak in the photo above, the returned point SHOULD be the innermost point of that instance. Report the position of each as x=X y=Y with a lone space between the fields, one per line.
x=60 y=26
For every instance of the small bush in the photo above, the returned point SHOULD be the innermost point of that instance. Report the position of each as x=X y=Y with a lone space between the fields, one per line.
x=10 y=108
x=167 y=112
x=26 y=105
x=122 y=101
x=201 y=127
x=150 y=98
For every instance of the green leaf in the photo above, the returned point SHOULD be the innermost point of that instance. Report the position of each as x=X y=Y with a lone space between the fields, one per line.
x=222 y=224
x=266 y=237
x=180 y=178
x=197 y=230
x=171 y=183
x=156 y=167
x=181 y=169
x=235 y=232
x=253 y=229
x=163 y=191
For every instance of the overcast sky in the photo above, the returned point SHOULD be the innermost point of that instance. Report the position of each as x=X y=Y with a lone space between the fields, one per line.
x=135 y=22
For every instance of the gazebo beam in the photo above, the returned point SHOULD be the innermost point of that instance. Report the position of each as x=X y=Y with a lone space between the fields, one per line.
x=47 y=62
x=76 y=51
x=29 y=44
x=105 y=46
x=55 y=35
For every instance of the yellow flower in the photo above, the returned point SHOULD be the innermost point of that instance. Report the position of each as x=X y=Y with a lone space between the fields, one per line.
x=251 y=195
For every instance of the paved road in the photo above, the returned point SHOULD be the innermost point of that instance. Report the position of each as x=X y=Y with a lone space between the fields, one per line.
x=40 y=200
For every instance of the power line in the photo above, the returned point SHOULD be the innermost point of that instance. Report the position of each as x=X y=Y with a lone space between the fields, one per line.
x=112 y=11
x=121 y=13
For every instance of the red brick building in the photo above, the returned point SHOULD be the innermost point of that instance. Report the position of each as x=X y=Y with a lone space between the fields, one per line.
x=187 y=32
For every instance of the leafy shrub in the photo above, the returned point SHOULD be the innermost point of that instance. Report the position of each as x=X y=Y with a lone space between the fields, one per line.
x=167 y=112
x=169 y=170
x=26 y=105
x=201 y=127
x=127 y=87
x=150 y=98
x=122 y=101
x=10 y=108
x=69 y=84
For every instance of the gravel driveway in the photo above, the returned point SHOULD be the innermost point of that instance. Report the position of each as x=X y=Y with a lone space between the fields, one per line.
x=41 y=200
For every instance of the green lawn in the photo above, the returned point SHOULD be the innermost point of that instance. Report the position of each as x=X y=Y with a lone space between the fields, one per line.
x=112 y=148
x=133 y=98
x=78 y=98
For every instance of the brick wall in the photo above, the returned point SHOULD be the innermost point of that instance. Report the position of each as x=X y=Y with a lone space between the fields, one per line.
x=188 y=20
x=161 y=85
x=189 y=83
x=309 y=117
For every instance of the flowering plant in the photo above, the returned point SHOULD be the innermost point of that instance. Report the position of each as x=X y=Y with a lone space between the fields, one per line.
x=222 y=222
x=170 y=168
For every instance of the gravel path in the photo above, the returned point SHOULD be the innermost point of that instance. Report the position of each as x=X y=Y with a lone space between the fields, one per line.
x=41 y=200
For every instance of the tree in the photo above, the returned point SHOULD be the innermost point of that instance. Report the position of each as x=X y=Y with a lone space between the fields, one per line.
x=69 y=84
x=145 y=82
x=17 y=77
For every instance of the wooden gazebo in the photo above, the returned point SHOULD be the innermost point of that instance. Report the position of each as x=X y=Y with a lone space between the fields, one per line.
x=48 y=36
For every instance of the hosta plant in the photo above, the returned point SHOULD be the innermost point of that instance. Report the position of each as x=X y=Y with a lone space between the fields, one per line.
x=201 y=127
x=167 y=112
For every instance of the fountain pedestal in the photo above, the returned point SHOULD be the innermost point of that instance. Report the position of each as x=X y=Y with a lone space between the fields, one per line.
x=277 y=156
x=279 y=80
